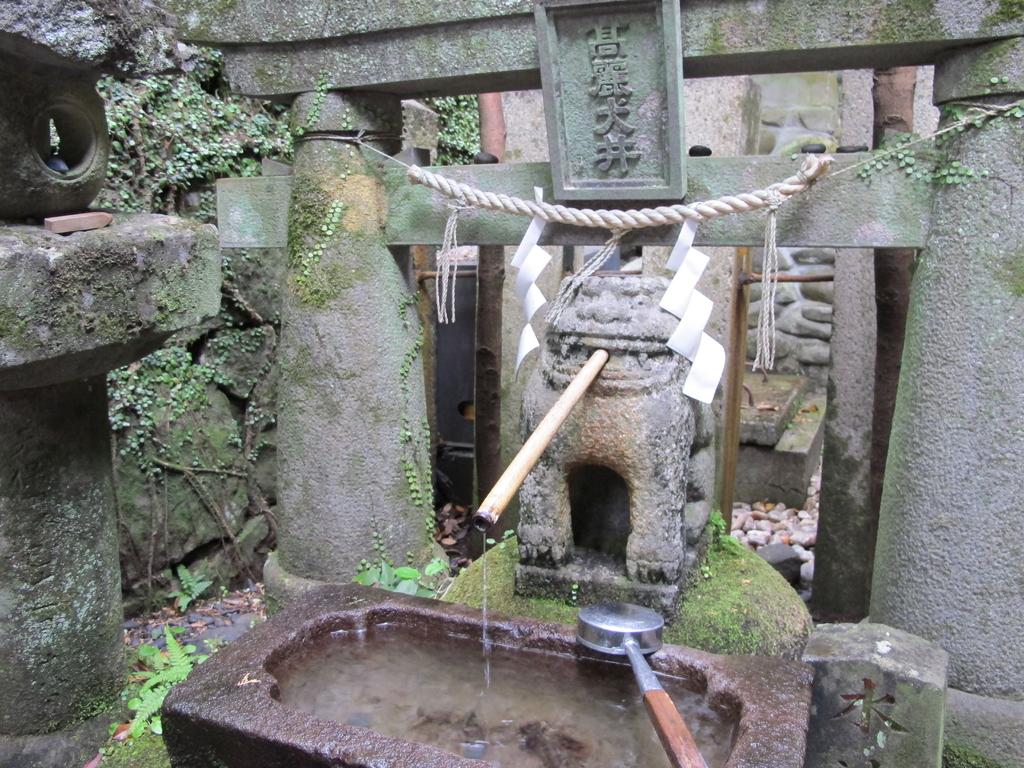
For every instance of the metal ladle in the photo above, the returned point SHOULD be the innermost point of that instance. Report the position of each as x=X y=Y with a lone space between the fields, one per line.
x=623 y=629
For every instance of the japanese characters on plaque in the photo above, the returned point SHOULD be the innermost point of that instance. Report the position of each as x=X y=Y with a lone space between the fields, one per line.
x=610 y=71
x=612 y=77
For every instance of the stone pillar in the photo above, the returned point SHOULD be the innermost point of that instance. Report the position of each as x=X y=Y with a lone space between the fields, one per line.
x=846 y=527
x=949 y=557
x=353 y=442
x=60 y=589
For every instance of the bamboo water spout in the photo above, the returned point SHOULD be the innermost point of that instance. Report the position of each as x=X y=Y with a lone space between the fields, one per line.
x=493 y=506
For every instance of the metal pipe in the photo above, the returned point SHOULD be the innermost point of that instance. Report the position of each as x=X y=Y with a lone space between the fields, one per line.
x=734 y=383
x=755 y=277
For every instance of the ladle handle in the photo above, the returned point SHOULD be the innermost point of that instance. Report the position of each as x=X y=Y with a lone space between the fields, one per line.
x=668 y=723
x=494 y=504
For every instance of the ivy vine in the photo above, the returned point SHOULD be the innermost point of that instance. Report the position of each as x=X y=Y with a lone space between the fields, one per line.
x=458 y=138
x=173 y=135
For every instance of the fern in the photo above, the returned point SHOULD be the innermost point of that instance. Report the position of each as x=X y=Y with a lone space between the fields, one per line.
x=190 y=587
x=161 y=671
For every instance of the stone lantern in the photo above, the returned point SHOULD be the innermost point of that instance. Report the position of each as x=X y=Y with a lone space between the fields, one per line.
x=72 y=307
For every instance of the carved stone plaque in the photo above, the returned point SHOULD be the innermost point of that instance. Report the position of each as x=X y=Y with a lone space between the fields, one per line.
x=613 y=97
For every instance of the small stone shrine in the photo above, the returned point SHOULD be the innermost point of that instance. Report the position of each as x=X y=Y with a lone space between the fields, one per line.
x=603 y=509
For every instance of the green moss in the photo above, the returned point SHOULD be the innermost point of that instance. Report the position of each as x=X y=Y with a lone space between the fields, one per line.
x=715 y=42
x=13 y=328
x=501 y=596
x=959 y=756
x=147 y=751
x=1007 y=10
x=1014 y=269
x=742 y=606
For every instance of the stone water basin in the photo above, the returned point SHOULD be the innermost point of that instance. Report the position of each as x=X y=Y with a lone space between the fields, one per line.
x=350 y=677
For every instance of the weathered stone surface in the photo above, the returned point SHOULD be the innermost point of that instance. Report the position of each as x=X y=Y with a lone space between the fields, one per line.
x=878 y=698
x=60 y=598
x=210 y=720
x=953 y=436
x=606 y=498
x=784 y=559
x=497 y=47
x=126 y=37
x=741 y=607
x=896 y=208
x=775 y=401
x=79 y=305
x=185 y=506
x=782 y=473
x=241 y=357
x=584 y=161
x=986 y=726
x=817 y=312
x=259 y=276
x=352 y=445
x=34 y=99
x=847 y=522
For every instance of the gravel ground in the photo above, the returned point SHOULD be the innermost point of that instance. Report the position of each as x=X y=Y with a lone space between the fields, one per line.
x=765 y=522
x=208 y=623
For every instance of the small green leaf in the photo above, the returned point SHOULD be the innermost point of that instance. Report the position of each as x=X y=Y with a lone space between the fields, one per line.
x=405 y=572
x=407 y=587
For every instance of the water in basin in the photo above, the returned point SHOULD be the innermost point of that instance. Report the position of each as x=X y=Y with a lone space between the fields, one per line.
x=540 y=710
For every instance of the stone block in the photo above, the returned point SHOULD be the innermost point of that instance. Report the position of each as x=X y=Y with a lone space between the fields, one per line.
x=80 y=305
x=129 y=37
x=817 y=311
x=784 y=559
x=781 y=473
x=878 y=699
x=822 y=292
x=775 y=400
x=990 y=727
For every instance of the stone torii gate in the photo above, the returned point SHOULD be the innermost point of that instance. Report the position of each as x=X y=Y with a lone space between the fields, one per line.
x=956 y=440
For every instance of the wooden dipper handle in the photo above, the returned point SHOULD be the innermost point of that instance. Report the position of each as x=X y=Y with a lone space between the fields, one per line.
x=492 y=507
x=675 y=736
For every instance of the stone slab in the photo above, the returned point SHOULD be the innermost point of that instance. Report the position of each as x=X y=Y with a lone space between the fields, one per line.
x=892 y=212
x=466 y=46
x=878 y=698
x=782 y=473
x=82 y=304
x=775 y=403
x=252 y=211
x=127 y=37
x=613 y=89
x=988 y=726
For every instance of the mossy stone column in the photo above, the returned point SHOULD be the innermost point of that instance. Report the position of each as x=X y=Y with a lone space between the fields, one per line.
x=353 y=441
x=60 y=589
x=949 y=563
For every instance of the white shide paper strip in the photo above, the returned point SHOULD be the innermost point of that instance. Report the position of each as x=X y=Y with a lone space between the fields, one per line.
x=530 y=260
x=682 y=299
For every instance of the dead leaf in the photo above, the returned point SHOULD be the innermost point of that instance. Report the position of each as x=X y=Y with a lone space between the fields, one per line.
x=809 y=409
x=122 y=732
x=767 y=407
x=95 y=762
x=447 y=541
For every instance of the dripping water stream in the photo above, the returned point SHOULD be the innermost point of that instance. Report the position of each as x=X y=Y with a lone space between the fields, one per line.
x=485 y=638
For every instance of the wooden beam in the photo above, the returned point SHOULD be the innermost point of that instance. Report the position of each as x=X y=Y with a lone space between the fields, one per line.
x=277 y=48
